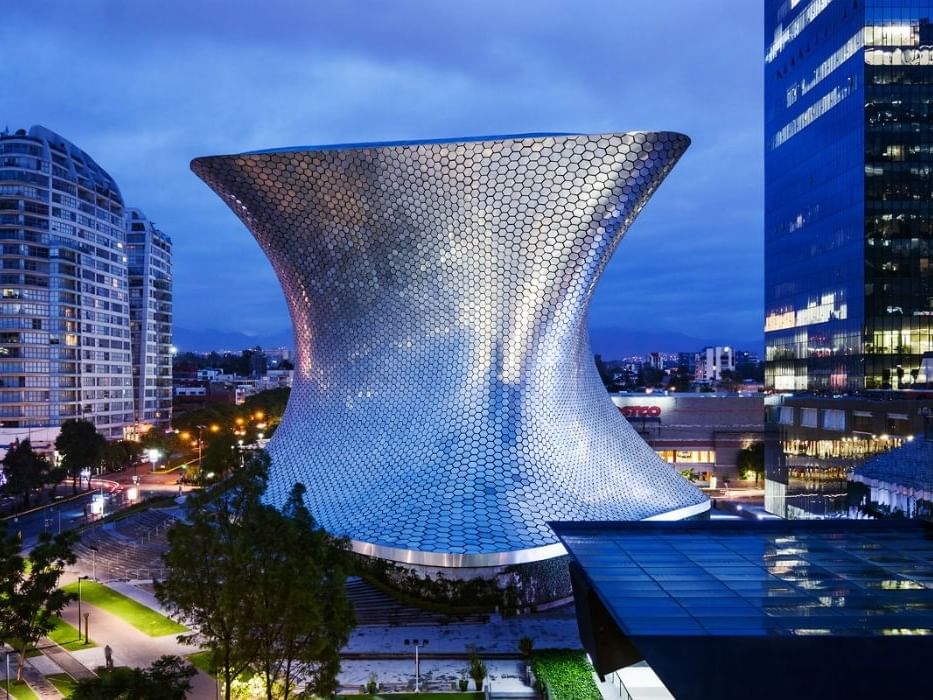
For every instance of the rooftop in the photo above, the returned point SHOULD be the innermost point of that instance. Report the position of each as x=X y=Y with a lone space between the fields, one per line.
x=910 y=466
x=771 y=610
x=411 y=142
x=854 y=578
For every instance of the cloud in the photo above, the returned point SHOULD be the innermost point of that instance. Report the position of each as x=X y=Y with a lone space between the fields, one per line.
x=144 y=87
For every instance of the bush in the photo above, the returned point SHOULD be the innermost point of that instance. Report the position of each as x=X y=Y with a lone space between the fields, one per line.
x=566 y=673
x=372 y=685
x=464 y=685
x=477 y=669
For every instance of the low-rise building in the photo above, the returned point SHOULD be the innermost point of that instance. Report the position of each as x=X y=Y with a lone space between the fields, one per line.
x=701 y=432
x=815 y=442
x=712 y=361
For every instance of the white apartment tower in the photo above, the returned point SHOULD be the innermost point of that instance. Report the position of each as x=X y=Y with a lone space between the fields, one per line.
x=711 y=362
x=64 y=303
x=150 y=284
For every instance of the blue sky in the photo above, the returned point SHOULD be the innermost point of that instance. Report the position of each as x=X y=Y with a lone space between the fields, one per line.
x=144 y=86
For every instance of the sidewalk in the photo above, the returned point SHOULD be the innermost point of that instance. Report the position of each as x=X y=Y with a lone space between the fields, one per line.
x=64 y=660
x=131 y=647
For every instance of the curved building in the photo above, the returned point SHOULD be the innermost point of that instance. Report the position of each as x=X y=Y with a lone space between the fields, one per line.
x=64 y=306
x=446 y=405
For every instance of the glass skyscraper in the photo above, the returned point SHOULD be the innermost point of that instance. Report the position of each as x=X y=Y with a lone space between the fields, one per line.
x=848 y=197
x=150 y=284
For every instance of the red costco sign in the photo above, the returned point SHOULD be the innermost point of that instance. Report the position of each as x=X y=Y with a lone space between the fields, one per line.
x=640 y=411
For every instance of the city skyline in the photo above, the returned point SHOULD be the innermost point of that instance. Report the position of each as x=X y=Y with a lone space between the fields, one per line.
x=298 y=75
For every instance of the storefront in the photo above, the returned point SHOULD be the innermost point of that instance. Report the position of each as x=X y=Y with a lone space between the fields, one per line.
x=698 y=434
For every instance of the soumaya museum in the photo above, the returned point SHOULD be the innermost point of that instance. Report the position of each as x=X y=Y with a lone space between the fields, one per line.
x=445 y=406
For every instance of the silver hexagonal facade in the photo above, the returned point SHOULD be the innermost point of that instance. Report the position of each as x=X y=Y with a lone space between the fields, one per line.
x=446 y=405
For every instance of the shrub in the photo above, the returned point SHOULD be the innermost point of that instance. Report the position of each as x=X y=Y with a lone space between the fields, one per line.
x=566 y=673
x=372 y=685
x=477 y=670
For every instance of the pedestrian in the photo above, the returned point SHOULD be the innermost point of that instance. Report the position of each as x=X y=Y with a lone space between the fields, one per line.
x=108 y=657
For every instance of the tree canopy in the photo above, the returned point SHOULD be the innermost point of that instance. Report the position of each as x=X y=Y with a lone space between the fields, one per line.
x=234 y=569
x=25 y=471
x=120 y=454
x=751 y=461
x=29 y=594
x=168 y=678
x=80 y=446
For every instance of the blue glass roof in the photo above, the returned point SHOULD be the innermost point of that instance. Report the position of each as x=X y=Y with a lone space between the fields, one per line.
x=910 y=466
x=837 y=578
x=415 y=142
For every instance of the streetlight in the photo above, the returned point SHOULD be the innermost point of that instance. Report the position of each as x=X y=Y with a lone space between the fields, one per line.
x=201 y=428
x=80 y=579
x=154 y=456
x=418 y=643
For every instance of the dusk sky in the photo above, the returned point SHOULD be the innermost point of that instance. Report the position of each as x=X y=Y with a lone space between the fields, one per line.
x=144 y=87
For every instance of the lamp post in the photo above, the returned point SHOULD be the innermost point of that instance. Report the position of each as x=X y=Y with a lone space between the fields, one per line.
x=93 y=561
x=418 y=643
x=80 y=579
x=201 y=429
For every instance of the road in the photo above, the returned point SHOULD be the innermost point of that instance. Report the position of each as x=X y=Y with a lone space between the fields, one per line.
x=65 y=515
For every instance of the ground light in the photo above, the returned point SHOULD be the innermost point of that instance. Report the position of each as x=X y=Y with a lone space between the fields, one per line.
x=154 y=456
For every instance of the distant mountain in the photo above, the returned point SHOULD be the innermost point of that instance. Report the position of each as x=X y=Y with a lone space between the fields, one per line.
x=616 y=343
x=207 y=339
x=611 y=343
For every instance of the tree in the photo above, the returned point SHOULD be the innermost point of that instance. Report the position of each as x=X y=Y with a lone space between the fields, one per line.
x=168 y=678
x=208 y=573
x=303 y=627
x=11 y=568
x=232 y=571
x=727 y=380
x=25 y=471
x=477 y=669
x=120 y=454
x=220 y=455
x=80 y=446
x=169 y=444
x=751 y=460
x=31 y=598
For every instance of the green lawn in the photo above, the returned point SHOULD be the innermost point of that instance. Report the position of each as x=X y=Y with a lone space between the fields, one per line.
x=63 y=683
x=202 y=661
x=144 y=619
x=21 y=691
x=67 y=636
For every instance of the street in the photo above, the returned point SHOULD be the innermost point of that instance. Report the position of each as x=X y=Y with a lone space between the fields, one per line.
x=70 y=513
